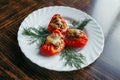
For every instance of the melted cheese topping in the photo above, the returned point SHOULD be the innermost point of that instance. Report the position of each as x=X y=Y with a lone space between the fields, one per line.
x=53 y=39
x=56 y=40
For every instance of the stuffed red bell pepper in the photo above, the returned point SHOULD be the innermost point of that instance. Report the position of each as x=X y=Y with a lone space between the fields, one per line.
x=57 y=23
x=53 y=45
x=75 y=38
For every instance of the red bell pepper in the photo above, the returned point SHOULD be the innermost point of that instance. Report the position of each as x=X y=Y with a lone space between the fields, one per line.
x=57 y=23
x=52 y=45
x=76 y=38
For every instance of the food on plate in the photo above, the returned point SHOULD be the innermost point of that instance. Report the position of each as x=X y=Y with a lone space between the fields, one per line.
x=53 y=45
x=59 y=38
x=57 y=23
x=75 y=38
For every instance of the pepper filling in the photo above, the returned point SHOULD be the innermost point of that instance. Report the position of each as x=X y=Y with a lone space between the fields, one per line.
x=55 y=40
x=73 y=33
x=57 y=23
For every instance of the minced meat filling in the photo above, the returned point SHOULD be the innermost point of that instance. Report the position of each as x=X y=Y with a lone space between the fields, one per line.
x=57 y=23
x=73 y=33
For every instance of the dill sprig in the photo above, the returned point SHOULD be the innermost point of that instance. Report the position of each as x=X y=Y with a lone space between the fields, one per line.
x=81 y=25
x=36 y=34
x=72 y=57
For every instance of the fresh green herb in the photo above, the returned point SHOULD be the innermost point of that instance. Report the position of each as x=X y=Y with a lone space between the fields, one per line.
x=72 y=57
x=36 y=34
x=81 y=25
x=75 y=24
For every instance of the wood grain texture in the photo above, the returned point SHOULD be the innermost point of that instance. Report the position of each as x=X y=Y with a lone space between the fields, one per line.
x=15 y=66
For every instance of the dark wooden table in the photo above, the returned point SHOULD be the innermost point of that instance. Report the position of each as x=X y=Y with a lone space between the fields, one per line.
x=15 y=66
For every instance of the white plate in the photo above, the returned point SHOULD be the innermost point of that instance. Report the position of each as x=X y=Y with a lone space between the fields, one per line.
x=42 y=17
